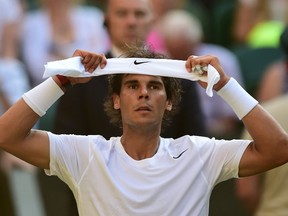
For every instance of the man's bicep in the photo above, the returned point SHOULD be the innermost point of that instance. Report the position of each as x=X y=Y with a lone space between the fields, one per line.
x=35 y=149
x=252 y=162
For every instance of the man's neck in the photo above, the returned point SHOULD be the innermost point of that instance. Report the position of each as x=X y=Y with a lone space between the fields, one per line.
x=140 y=146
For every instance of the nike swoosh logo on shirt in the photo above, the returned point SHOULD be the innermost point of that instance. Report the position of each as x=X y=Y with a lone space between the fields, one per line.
x=176 y=157
x=138 y=63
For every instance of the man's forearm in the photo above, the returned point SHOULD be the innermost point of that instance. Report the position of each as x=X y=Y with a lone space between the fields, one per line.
x=269 y=148
x=17 y=122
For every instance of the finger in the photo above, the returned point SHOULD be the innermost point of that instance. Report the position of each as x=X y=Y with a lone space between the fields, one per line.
x=79 y=52
x=100 y=60
x=103 y=61
x=86 y=58
x=189 y=63
x=93 y=63
x=197 y=65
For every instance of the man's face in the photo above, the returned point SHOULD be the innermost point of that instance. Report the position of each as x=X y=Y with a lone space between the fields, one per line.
x=128 y=21
x=142 y=101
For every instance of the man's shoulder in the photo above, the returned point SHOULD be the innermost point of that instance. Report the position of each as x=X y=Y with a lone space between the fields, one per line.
x=187 y=140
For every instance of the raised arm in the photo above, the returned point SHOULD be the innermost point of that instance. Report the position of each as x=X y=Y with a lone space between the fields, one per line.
x=16 y=134
x=269 y=147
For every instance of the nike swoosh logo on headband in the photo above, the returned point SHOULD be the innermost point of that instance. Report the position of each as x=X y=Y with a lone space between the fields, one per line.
x=138 y=63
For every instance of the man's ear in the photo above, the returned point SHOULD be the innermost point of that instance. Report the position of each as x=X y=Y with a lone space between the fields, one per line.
x=169 y=106
x=116 y=101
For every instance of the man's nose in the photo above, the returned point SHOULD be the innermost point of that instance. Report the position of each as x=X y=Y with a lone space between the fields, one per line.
x=143 y=93
x=131 y=19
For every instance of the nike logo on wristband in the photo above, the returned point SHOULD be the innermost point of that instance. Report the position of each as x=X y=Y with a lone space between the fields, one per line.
x=176 y=157
x=138 y=63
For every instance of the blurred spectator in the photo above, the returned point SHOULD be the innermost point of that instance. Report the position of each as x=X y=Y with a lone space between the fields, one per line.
x=259 y=23
x=275 y=79
x=161 y=7
x=10 y=19
x=56 y=29
x=203 y=10
x=182 y=33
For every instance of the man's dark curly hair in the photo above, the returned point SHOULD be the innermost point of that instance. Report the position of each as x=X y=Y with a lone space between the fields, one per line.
x=172 y=87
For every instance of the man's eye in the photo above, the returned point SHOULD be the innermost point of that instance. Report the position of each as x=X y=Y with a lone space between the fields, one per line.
x=140 y=14
x=132 y=86
x=154 y=87
x=121 y=13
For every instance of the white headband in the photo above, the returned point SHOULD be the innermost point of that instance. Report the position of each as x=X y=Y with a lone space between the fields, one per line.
x=156 y=67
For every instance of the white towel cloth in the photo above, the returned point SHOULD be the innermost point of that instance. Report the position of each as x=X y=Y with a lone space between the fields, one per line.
x=158 y=67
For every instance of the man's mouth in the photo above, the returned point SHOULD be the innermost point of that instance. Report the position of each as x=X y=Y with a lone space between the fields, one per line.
x=143 y=108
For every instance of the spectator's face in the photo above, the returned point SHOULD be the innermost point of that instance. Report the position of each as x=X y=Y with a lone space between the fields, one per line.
x=128 y=21
x=179 y=46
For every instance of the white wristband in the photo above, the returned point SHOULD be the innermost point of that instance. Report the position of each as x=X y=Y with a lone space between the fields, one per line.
x=238 y=99
x=43 y=96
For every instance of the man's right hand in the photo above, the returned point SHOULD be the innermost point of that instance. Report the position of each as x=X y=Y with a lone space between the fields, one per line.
x=90 y=62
